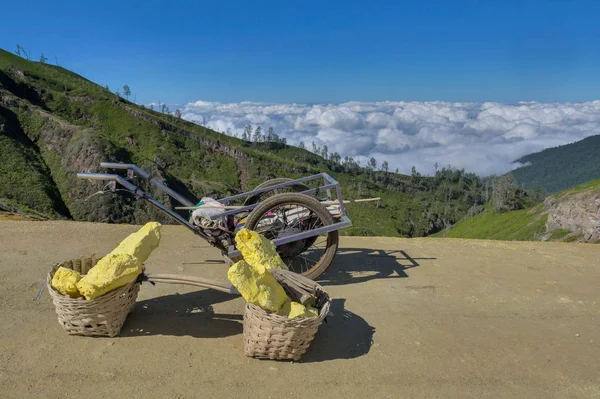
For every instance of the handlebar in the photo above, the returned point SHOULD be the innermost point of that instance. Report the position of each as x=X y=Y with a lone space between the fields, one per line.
x=125 y=183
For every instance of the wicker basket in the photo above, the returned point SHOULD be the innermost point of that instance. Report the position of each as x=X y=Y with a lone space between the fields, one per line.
x=102 y=316
x=268 y=335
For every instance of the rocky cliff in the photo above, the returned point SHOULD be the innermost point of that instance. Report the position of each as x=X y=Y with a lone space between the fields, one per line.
x=576 y=211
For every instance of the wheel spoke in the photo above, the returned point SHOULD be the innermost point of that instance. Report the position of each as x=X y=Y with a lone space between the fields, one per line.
x=287 y=217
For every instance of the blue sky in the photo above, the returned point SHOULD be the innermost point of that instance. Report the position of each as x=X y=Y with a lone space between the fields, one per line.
x=320 y=51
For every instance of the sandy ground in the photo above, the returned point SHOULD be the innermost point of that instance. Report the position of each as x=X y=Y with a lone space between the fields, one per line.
x=422 y=318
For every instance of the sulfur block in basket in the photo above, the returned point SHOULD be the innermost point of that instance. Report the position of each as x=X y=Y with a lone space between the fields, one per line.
x=141 y=243
x=65 y=281
x=259 y=288
x=123 y=264
x=112 y=271
x=294 y=309
x=258 y=252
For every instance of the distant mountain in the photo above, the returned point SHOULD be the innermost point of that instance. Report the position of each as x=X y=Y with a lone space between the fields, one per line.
x=571 y=215
x=562 y=167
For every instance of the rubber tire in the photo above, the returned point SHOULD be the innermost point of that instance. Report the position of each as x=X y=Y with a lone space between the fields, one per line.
x=272 y=182
x=311 y=203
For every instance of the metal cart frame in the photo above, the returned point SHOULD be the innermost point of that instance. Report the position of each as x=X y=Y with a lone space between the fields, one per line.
x=221 y=238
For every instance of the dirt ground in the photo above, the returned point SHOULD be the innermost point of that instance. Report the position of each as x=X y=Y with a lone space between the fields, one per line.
x=413 y=318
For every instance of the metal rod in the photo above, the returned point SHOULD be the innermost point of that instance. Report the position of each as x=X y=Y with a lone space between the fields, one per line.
x=148 y=176
x=269 y=188
x=338 y=189
x=330 y=179
x=172 y=193
x=351 y=201
x=105 y=176
x=174 y=215
x=334 y=202
x=140 y=193
x=183 y=208
x=37 y=298
x=250 y=207
x=135 y=168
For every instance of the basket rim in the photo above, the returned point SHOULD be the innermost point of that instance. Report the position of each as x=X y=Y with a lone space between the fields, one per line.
x=323 y=312
x=82 y=299
x=58 y=295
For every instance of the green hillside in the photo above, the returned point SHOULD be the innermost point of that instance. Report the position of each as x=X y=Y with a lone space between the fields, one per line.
x=54 y=123
x=527 y=224
x=521 y=225
x=562 y=167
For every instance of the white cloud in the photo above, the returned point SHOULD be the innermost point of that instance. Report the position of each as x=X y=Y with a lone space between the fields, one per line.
x=480 y=137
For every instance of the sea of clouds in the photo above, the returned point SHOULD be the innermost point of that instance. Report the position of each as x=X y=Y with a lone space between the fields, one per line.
x=484 y=138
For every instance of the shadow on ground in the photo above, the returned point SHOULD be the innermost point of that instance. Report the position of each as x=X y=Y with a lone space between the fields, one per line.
x=188 y=314
x=345 y=335
x=357 y=265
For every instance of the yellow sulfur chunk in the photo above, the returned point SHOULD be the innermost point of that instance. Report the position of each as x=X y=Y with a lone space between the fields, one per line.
x=123 y=264
x=65 y=281
x=312 y=311
x=259 y=288
x=141 y=243
x=111 y=272
x=295 y=309
x=258 y=252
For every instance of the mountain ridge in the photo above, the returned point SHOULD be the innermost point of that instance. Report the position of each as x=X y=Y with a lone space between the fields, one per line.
x=562 y=167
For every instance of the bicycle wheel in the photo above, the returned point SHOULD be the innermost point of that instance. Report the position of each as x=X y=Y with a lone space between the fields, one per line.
x=290 y=213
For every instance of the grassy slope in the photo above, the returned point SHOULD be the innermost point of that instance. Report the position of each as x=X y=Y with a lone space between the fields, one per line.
x=522 y=225
x=590 y=185
x=25 y=181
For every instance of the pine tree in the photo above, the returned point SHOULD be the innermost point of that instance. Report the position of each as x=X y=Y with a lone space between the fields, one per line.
x=506 y=194
x=335 y=157
x=258 y=135
x=248 y=132
x=270 y=135
x=126 y=91
x=372 y=163
x=385 y=166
